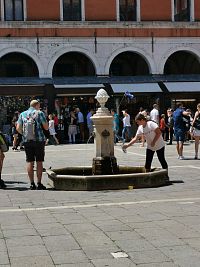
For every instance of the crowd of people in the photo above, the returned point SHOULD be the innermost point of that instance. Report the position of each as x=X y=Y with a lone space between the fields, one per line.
x=32 y=129
x=73 y=128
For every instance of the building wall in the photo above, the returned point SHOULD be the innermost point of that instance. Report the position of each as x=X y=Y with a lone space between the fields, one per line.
x=155 y=10
x=103 y=10
x=43 y=9
x=68 y=29
x=100 y=10
x=45 y=42
x=50 y=49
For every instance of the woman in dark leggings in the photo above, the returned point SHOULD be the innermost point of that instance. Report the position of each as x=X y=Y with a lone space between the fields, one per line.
x=154 y=139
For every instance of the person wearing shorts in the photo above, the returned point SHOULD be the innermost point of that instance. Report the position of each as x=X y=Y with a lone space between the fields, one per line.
x=179 y=128
x=34 y=149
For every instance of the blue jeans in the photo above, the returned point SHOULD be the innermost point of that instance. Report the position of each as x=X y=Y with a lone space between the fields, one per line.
x=126 y=129
x=116 y=136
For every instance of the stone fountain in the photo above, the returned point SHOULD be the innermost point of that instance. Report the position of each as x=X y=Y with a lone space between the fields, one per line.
x=104 y=173
x=105 y=162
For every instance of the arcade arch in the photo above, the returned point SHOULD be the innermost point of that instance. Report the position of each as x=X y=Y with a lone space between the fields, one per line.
x=73 y=64
x=182 y=62
x=17 y=64
x=128 y=63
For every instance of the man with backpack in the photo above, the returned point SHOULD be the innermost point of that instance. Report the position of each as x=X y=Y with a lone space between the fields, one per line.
x=31 y=124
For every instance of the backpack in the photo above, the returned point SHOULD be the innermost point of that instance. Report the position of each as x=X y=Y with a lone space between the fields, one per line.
x=29 y=127
x=4 y=144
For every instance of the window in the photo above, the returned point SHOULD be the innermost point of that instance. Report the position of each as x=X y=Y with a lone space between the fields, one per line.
x=71 y=10
x=13 y=10
x=182 y=10
x=127 y=10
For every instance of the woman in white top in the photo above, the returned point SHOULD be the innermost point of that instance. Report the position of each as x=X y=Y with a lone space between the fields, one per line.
x=196 y=132
x=154 y=141
x=52 y=131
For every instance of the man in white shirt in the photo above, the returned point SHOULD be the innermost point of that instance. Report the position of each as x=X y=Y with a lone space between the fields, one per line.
x=154 y=114
x=126 y=125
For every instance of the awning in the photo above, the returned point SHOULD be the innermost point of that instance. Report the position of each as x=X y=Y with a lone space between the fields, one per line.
x=78 y=85
x=181 y=87
x=23 y=86
x=137 y=88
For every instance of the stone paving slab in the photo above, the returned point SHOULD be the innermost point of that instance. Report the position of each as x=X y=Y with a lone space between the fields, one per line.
x=72 y=256
x=39 y=261
x=113 y=263
x=156 y=227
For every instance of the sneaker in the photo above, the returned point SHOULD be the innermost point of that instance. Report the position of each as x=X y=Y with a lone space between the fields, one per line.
x=195 y=157
x=33 y=186
x=181 y=157
x=41 y=187
x=2 y=184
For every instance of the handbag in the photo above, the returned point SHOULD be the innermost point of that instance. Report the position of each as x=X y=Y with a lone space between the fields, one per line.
x=3 y=143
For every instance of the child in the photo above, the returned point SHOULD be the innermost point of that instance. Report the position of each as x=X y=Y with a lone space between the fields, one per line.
x=52 y=131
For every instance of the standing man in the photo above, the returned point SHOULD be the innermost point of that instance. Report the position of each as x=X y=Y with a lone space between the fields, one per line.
x=154 y=114
x=80 y=121
x=126 y=125
x=179 y=128
x=30 y=124
x=153 y=138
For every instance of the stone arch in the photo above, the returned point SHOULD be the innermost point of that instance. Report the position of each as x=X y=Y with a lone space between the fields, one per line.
x=26 y=52
x=172 y=51
x=151 y=64
x=62 y=52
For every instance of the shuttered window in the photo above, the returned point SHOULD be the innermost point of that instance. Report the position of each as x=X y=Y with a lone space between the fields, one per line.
x=72 y=10
x=182 y=10
x=13 y=10
x=127 y=10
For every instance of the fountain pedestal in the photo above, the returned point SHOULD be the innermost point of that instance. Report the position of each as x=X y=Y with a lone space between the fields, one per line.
x=104 y=161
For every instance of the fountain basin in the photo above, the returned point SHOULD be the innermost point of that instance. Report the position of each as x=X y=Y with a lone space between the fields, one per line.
x=81 y=179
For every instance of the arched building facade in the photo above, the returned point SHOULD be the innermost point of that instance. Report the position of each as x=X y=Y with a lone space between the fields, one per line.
x=145 y=47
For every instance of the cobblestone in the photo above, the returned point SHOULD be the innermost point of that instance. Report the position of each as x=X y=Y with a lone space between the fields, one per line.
x=156 y=227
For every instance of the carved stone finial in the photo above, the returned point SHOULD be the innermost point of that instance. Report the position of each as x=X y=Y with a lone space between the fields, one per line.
x=102 y=97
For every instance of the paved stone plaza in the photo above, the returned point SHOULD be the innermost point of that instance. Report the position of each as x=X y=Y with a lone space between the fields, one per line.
x=157 y=227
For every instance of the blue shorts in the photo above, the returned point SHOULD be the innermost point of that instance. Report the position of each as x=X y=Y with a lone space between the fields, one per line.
x=180 y=135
